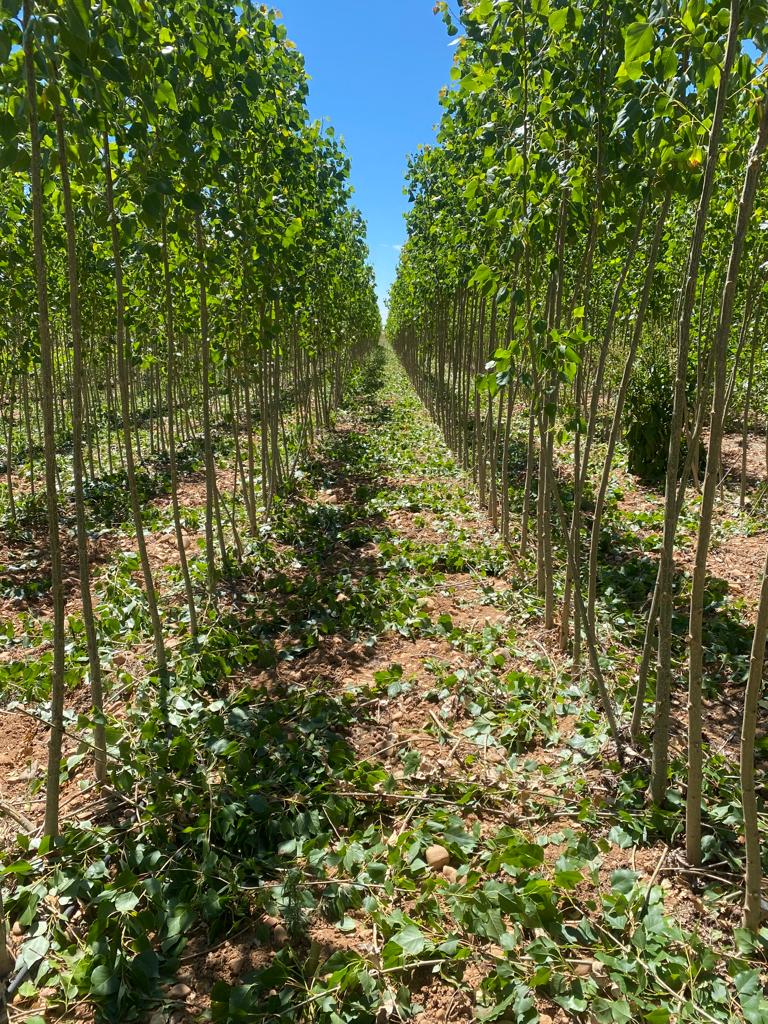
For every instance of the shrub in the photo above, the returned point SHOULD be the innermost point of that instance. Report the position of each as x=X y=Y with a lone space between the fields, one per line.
x=648 y=413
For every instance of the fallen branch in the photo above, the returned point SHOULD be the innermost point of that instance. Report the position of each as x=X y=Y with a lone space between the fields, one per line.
x=17 y=816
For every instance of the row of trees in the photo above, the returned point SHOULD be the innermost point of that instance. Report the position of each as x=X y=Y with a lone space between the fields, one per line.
x=591 y=222
x=196 y=263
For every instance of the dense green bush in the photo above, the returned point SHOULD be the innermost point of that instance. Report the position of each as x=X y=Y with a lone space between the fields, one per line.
x=648 y=417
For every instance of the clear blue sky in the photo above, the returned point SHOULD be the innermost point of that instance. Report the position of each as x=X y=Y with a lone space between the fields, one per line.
x=376 y=68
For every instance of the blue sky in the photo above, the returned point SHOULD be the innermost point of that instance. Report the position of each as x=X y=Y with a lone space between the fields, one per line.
x=376 y=68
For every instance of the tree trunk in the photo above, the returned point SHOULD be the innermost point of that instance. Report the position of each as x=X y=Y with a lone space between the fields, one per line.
x=753 y=873
x=51 y=823
x=78 y=384
x=125 y=410
x=170 y=403
x=660 y=760
x=698 y=586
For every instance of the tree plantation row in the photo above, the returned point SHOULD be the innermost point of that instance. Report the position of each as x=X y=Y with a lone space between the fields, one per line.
x=588 y=240
x=197 y=269
x=179 y=264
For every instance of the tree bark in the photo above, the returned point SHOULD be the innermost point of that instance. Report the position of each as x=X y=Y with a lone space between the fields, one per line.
x=78 y=468
x=51 y=822
x=753 y=872
x=698 y=586
x=660 y=759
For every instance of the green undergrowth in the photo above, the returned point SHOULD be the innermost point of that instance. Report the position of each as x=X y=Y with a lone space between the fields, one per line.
x=239 y=798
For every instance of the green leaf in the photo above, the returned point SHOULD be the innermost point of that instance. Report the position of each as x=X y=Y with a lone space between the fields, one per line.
x=657 y=1016
x=621 y=838
x=152 y=207
x=666 y=62
x=9 y=154
x=638 y=42
x=165 y=96
x=104 y=981
x=568 y=879
x=621 y=1012
x=32 y=952
x=558 y=19
x=484 y=279
x=628 y=117
x=623 y=881
x=377 y=871
x=126 y=902
x=292 y=232
x=410 y=940
x=19 y=867
x=8 y=125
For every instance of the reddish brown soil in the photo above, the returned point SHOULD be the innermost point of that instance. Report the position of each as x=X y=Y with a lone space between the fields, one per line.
x=757 y=459
x=741 y=560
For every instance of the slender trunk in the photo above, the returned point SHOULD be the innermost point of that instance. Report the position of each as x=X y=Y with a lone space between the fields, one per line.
x=125 y=410
x=9 y=455
x=251 y=456
x=28 y=430
x=170 y=403
x=619 y=409
x=753 y=873
x=78 y=469
x=51 y=822
x=745 y=425
x=660 y=760
x=210 y=469
x=605 y=697
x=6 y=962
x=698 y=586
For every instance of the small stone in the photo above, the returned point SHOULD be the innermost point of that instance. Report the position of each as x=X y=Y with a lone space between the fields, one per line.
x=544 y=1018
x=17 y=930
x=450 y=873
x=437 y=857
x=179 y=991
x=279 y=936
x=582 y=970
